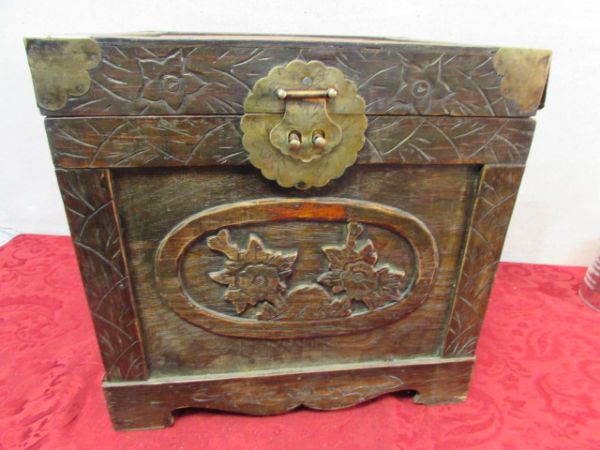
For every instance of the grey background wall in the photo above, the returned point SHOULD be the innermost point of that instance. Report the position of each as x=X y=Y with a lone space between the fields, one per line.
x=557 y=218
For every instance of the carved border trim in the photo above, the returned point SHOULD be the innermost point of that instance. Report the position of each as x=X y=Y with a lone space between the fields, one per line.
x=209 y=141
x=497 y=193
x=96 y=234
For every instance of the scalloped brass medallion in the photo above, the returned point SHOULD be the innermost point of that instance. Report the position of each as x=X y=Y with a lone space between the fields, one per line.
x=304 y=124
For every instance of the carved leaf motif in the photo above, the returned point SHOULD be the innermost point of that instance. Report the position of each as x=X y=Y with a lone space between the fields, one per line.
x=166 y=81
x=140 y=80
x=229 y=73
x=430 y=140
x=115 y=84
x=146 y=142
x=339 y=257
x=159 y=77
x=330 y=279
x=423 y=88
x=221 y=243
x=429 y=82
x=184 y=141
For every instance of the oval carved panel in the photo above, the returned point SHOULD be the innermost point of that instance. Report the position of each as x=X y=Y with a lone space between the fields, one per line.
x=289 y=268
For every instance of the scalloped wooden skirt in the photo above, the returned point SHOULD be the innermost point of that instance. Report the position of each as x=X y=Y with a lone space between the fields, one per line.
x=150 y=403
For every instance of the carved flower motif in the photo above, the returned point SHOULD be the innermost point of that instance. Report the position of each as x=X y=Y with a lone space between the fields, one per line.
x=358 y=280
x=252 y=275
x=165 y=79
x=353 y=271
x=423 y=88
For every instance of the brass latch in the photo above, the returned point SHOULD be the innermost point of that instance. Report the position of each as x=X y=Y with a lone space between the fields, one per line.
x=306 y=131
x=303 y=124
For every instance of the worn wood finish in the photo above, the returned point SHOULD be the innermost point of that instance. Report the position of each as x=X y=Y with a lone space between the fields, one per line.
x=205 y=141
x=491 y=215
x=149 y=404
x=212 y=286
x=96 y=234
x=203 y=75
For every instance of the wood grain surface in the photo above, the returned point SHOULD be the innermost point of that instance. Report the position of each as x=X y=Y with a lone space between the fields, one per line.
x=154 y=201
x=174 y=245
x=496 y=198
x=217 y=140
x=97 y=238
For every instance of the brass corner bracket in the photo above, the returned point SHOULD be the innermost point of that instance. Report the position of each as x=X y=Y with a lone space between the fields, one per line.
x=59 y=68
x=524 y=75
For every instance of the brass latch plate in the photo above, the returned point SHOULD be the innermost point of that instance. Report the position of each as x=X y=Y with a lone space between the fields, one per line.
x=304 y=124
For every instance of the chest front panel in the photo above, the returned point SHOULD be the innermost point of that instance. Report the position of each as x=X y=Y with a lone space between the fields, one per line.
x=151 y=204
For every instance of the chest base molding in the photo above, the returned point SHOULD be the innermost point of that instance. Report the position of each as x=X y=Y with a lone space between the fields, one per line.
x=150 y=403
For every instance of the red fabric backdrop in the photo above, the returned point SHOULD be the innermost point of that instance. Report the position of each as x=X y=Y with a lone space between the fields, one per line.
x=536 y=382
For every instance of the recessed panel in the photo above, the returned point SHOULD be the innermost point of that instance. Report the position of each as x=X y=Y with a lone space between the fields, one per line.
x=409 y=221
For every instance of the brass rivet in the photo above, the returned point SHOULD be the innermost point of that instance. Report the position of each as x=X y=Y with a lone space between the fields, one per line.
x=319 y=141
x=294 y=142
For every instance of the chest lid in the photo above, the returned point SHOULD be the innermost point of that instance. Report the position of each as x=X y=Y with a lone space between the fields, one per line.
x=170 y=74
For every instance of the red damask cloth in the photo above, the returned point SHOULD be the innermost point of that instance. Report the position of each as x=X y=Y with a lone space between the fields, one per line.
x=536 y=383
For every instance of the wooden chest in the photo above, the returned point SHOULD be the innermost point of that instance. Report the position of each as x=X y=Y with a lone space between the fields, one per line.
x=268 y=222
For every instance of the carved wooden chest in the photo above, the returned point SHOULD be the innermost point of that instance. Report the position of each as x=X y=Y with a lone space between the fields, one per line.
x=268 y=222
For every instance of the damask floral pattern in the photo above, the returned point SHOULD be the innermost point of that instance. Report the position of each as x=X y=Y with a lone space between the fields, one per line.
x=535 y=384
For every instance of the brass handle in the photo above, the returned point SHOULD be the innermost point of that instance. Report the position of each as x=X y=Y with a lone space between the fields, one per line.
x=299 y=94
